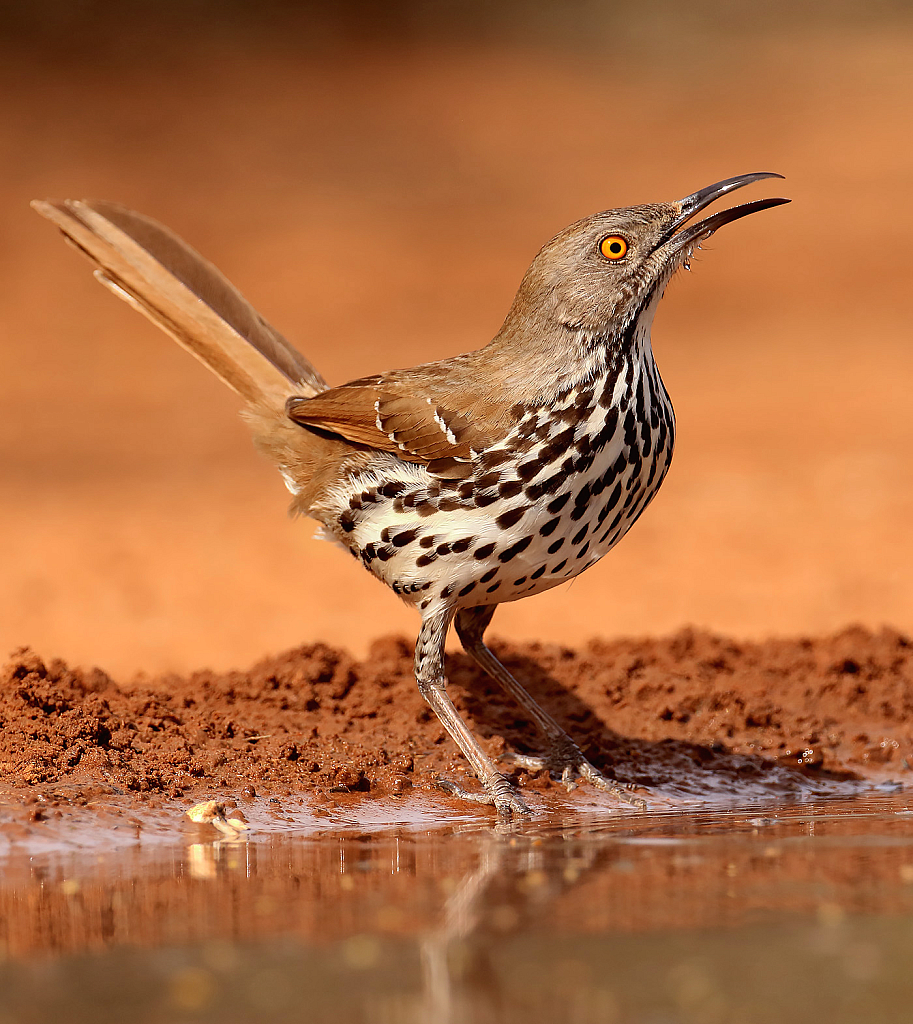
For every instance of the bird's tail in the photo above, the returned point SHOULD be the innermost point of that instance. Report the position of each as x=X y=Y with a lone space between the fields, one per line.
x=161 y=276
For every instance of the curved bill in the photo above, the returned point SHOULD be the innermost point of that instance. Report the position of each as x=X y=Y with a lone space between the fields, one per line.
x=705 y=228
x=696 y=202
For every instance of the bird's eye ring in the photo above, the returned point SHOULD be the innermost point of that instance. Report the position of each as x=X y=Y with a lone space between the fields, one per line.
x=614 y=247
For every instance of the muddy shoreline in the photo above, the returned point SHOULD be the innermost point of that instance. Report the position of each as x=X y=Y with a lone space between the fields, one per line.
x=688 y=716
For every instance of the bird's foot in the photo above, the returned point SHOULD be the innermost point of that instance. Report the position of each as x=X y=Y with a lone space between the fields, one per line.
x=497 y=791
x=565 y=760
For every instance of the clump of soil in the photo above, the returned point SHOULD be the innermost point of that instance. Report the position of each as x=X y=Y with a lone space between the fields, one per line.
x=686 y=714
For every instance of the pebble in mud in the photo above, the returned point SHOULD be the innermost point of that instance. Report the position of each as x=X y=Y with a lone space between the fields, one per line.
x=212 y=812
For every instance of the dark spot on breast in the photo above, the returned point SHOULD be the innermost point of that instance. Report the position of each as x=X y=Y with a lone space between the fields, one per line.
x=493 y=587
x=527 y=470
x=550 y=526
x=511 y=518
x=424 y=560
x=582 y=464
x=368 y=553
x=466 y=490
x=391 y=489
x=535 y=491
x=559 y=567
x=490 y=575
x=632 y=497
x=612 y=501
x=510 y=488
x=404 y=538
x=558 y=445
x=556 y=545
x=630 y=428
x=468 y=589
x=581 y=502
x=508 y=553
x=484 y=500
x=347 y=521
x=447 y=591
x=580 y=534
x=443 y=549
x=520 y=581
x=484 y=551
x=428 y=540
x=539 y=572
x=583 y=550
x=385 y=554
x=605 y=435
x=449 y=504
x=459 y=546
x=425 y=603
x=557 y=504
x=487 y=481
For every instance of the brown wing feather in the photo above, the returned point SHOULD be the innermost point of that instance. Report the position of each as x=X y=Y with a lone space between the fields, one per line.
x=374 y=411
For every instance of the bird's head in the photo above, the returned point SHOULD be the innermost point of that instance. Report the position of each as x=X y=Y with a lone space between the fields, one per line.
x=599 y=274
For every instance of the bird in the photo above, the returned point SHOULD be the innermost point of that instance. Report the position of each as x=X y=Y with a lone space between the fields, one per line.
x=464 y=483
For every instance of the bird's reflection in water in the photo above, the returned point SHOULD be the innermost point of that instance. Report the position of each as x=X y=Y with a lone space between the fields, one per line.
x=508 y=891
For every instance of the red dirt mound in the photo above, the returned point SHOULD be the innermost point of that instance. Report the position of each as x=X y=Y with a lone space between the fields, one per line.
x=692 y=713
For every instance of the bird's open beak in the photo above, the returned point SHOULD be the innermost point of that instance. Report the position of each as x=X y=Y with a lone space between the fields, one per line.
x=693 y=204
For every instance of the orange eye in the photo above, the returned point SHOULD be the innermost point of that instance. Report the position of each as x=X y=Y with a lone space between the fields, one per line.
x=614 y=247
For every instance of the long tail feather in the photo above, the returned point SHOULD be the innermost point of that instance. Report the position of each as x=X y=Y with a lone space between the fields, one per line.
x=186 y=296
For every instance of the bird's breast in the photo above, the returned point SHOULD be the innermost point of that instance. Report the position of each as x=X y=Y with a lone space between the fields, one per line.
x=552 y=498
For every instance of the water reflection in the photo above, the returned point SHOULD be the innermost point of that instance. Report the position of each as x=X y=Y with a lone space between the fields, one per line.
x=722 y=916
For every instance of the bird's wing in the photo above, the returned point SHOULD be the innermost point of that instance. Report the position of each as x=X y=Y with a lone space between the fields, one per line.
x=393 y=417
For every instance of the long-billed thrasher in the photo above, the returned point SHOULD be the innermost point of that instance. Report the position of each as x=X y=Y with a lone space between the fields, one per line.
x=463 y=483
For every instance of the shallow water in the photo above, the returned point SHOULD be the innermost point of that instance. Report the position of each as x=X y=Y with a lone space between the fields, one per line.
x=769 y=913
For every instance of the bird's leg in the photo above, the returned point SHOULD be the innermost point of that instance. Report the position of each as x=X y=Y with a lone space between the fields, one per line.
x=429 y=674
x=564 y=757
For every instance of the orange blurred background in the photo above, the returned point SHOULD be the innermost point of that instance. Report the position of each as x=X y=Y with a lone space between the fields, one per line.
x=376 y=178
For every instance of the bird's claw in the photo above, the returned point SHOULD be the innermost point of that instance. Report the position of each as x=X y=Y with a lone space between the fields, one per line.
x=498 y=792
x=566 y=760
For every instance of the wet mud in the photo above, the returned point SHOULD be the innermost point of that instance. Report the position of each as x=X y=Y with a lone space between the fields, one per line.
x=692 y=716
